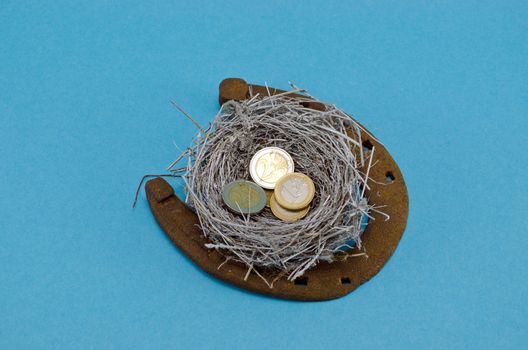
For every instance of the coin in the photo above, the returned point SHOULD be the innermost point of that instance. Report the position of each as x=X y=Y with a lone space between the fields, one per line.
x=294 y=191
x=244 y=197
x=286 y=214
x=269 y=193
x=268 y=165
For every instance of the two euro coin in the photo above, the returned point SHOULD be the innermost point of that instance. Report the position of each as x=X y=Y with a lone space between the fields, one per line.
x=244 y=197
x=268 y=165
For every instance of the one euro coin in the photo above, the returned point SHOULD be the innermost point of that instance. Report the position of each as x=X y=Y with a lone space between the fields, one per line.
x=294 y=191
x=286 y=214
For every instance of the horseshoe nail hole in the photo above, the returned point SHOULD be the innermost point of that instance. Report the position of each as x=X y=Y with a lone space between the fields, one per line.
x=345 y=280
x=367 y=145
x=389 y=177
x=165 y=200
x=301 y=281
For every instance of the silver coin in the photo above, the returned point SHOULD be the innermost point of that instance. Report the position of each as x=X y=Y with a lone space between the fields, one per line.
x=270 y=164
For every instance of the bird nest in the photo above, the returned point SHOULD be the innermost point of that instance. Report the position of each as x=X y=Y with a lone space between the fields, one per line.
x=324 y=144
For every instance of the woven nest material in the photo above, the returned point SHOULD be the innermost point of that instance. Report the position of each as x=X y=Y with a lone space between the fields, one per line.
x=325 y=145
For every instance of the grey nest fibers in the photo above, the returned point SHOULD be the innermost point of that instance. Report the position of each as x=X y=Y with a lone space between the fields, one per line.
x=325 y=145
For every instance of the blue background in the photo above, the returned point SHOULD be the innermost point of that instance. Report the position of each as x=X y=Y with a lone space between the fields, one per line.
x=84 y=110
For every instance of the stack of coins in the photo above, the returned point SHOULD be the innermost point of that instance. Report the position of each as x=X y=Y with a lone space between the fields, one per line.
x=286 y=193
x=292 y=197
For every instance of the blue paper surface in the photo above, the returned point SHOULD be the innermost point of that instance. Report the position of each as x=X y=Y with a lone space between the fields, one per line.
x=84 y=110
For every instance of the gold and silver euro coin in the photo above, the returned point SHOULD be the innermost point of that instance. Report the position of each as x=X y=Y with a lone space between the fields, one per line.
x=244 y=197
x=294 y=191
x=270 y=164
x=287 y=214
